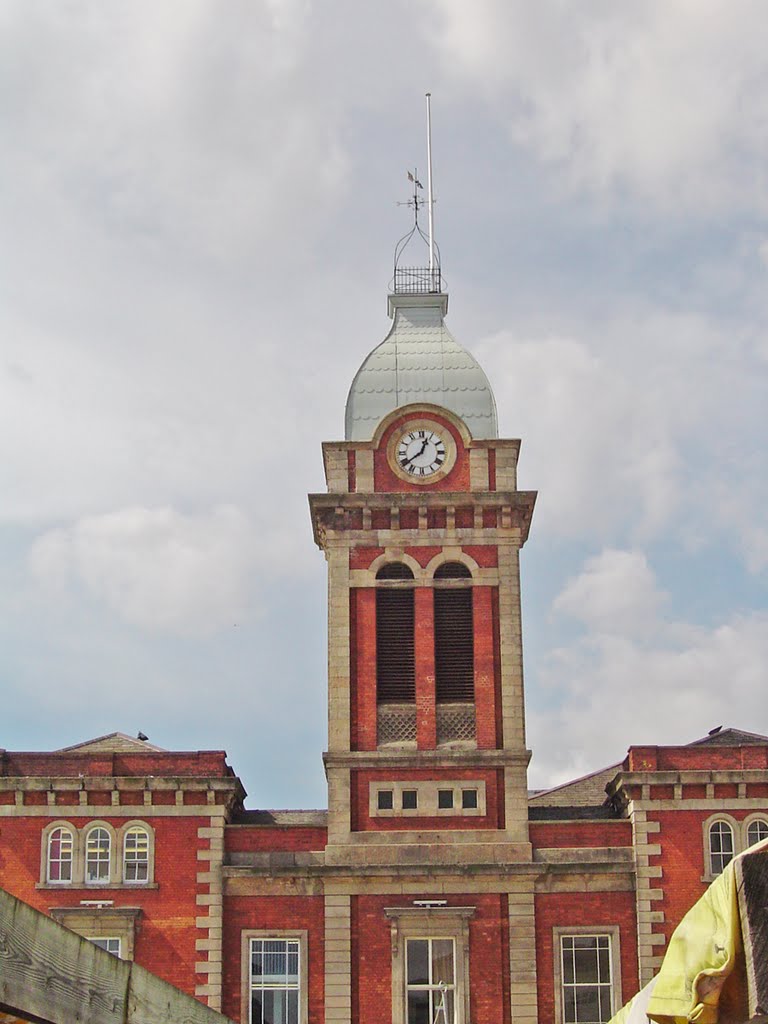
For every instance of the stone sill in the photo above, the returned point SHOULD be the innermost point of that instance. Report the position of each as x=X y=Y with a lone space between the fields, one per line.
x=93 y=889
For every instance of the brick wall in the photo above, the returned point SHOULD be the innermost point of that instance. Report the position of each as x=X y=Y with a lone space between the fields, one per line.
x=487 y=711
x=705 y=756
x=363 y=668
x=166 y=932
x=277 y=913
x=266 y=838
x=202 y=764
x=598 y=910
x=583 y=834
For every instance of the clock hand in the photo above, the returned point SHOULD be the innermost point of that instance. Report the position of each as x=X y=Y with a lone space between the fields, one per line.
x=419 y=453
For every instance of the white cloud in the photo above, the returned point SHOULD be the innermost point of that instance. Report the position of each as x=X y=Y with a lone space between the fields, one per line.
x=615 y=593
x=669 y=682
x=156 y=568
x=591 y=444
x=662 y=98
x=641 y=427
x=170 y=125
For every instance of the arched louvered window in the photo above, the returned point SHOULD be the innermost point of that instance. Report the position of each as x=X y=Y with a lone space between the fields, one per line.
x=452 y=571
x=395 y=672
x=454 y=641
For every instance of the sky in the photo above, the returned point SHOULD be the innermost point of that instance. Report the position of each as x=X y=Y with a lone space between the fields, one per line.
x=199 y=208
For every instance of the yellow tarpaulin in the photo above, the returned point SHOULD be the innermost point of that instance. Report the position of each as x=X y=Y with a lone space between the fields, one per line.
x=702 y=979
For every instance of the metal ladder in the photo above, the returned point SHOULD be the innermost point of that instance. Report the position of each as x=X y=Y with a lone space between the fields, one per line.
x=441 y=1010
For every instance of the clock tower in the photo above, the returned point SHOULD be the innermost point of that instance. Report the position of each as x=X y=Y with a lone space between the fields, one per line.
x=422 y=527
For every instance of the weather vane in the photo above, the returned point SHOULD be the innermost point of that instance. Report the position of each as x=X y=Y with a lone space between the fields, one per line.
x=416 y=201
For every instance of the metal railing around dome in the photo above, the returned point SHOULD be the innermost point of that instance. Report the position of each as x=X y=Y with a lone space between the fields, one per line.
x=417 y=281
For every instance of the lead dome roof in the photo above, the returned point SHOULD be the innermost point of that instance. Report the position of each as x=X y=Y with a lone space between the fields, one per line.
x=419 y=361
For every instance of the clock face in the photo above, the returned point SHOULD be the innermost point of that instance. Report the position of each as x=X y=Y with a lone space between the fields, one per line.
x=421 y=452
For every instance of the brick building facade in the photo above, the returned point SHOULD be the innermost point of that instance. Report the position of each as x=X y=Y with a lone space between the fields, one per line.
x=435 y=888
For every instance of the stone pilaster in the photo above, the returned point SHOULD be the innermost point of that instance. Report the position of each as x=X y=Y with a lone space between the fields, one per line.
x=478 y=469
x=522 y=956
x=511 y=645
x=338 y=647
x=338 y=959
x=338 y=688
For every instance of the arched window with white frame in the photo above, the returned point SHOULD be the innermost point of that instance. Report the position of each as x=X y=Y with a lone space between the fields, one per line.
x=60 y=855
x=721 y=846
x=757 y=831
x=98 y=856
x=136 y=846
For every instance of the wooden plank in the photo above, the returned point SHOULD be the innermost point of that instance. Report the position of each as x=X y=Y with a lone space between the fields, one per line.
x=49 y=974
x=53 y=974
x=151 y=1001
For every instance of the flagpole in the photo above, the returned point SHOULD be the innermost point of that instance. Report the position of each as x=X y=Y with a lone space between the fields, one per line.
x=430 y=201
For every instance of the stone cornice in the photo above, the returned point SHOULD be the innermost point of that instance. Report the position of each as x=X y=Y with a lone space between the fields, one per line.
x=100 y=783
x=349 y=515
x=512 y=443
x=385 y=759
x=688 y=776
x=191 y=794
x=313 y=867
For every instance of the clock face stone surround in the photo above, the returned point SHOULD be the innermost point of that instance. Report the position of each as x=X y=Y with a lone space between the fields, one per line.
x=421 y=451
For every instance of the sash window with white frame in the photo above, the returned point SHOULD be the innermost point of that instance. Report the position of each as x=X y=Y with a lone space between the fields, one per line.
x=60 y=856
x=98 y=849
x=757 y=831
x=110 y=944
x=586 y=979
x=136 y=855
x=431 y=981
x=721 y=846
x=275 y=981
